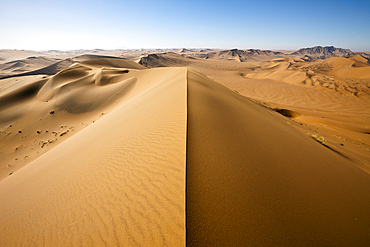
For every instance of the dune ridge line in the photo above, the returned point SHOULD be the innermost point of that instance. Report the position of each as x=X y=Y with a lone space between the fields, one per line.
x=119 y=181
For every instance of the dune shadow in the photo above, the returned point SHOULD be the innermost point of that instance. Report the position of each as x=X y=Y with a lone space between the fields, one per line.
x=88 y=100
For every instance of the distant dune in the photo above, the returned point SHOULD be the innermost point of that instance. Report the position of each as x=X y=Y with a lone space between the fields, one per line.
x=7 y=55
x=183 y=150
x=20 y=62
x=54 y=68
x=331 y=73
x=25 y=65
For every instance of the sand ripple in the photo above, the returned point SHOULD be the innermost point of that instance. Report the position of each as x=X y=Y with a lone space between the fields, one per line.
x=119 y=182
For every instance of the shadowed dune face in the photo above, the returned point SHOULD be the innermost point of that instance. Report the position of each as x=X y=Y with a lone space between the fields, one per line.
x=21 y=94
x=252 y=180
x=81 y=89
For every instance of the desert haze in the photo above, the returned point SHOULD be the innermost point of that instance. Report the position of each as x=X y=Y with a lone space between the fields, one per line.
x=175 y=147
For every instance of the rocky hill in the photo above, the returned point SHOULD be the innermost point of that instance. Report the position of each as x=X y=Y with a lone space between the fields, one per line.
x=320 y=52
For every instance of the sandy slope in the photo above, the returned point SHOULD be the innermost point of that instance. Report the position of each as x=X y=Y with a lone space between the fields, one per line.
x=37 y=112
x=336 y=106
x=51 y=66
x=25 y=65
x=253 y=180
x=7 y=55
x=119 y=181
x=108 y=148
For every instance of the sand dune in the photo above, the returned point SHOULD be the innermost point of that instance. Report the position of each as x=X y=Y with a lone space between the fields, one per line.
x=37 y=112
x=328 y=105
x=7 y=55
x=334 y=107
x=55 y=67
x=253 y=180
x=349 y=68
x=25 y=65
x=331 y=73
x=119 y=181
x=106 y=152
x=293 y=83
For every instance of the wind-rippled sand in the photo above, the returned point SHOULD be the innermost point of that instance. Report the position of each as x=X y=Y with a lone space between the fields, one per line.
x=118 y=182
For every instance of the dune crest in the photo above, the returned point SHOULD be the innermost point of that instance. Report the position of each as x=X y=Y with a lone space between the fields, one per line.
x=37 y=112
x=119 y=181
x=243 y=189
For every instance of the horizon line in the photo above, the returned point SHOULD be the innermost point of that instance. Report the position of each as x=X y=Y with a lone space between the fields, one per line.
x=176 y=48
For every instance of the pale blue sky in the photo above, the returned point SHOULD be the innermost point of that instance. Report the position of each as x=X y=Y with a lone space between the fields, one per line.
x=111 y=24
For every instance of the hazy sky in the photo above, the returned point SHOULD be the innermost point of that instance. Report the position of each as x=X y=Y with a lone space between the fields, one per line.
x=112 y=24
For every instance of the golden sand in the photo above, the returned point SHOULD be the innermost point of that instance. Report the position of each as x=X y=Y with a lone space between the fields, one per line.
x=107 y=152
x=119 y=181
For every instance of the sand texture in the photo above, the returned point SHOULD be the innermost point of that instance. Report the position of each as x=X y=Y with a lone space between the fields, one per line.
x=118 y=182
x=195 y=148
x=330 y=97
x=37 y=112
x=253 y=180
